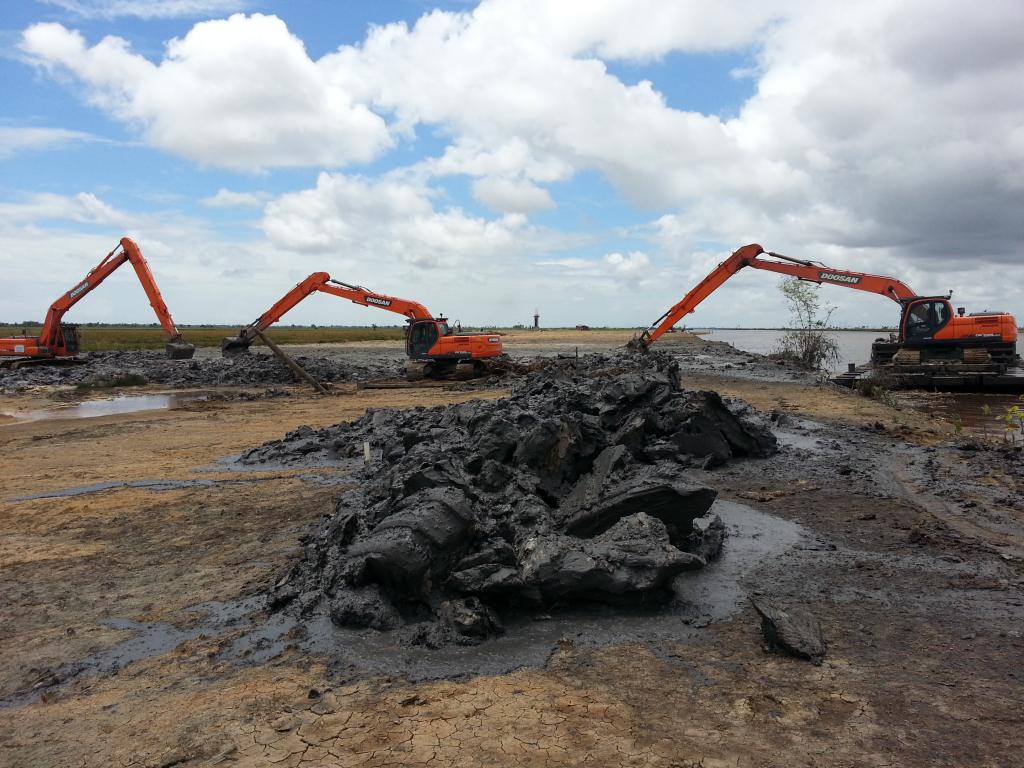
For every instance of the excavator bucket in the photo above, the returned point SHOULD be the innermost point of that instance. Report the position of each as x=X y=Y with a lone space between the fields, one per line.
x=179 y=350
x=234 y=345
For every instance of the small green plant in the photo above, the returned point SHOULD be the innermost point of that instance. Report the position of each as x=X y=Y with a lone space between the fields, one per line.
x=878 y=392
x=958 y=425
x=883 y=395
x=807 y=342
x=1013 y=420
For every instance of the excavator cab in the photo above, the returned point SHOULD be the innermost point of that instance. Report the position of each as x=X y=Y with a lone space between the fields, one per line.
x=421 y=337
x=924 y=318
x=71 y=339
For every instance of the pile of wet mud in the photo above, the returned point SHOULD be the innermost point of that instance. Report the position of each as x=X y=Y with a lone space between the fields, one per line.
x=573 y=489
x=723 y=359
x=109 y=369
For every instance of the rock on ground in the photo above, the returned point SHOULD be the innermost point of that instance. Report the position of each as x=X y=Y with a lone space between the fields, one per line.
x=571 y=489
x=793 y=630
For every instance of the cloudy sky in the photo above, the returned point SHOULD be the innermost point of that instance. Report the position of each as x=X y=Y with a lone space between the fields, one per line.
x=592 y=159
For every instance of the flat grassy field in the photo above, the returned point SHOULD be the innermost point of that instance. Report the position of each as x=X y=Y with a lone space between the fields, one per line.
x=108 y=338
x=111 y=338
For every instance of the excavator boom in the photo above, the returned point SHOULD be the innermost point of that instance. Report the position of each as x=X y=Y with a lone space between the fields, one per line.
x=322 y=282
x=53 y=340
x=359 y=295
x=929 y=333
x=432 y=348
x=750 y=256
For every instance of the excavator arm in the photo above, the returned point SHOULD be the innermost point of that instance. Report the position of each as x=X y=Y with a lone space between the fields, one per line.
x=322 y=282
x=750 y=256
x=359 y=295
x=51 y=339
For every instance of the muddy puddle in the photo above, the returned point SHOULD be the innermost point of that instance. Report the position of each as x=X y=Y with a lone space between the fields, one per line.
x=976 y=414
x=111 y=406
x=702 y=597
x=173 y=485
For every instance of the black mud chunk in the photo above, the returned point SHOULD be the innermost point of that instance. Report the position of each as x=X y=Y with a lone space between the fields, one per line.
x=283 y=593
x=470 y=619
x=364 y=607
x=559 y=451
x=793 y=630
x=439 y=474
x=345 y=525
x=674 y=503
x=709 y=429
x=706 y=538
x=494 y=476
x=608 y=465
x=633 y=557
x=498 y=441
x=409 y=549
x=486 y=579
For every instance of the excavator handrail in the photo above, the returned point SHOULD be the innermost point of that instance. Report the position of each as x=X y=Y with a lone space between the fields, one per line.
x=349 y=286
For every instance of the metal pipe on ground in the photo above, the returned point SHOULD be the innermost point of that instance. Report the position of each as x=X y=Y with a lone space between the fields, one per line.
x=297 y=369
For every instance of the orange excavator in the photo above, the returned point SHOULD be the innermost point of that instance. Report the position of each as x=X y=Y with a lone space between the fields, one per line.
x=59 y=342
x=929 y=331
x=433 y=349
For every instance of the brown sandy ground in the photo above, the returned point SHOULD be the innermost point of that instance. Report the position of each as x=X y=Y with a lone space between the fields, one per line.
x=895 y=690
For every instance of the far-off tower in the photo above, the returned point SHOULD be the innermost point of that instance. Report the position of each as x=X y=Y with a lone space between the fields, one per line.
x=536 y=319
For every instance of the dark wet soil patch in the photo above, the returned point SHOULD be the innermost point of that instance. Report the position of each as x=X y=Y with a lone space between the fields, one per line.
x=106 y=369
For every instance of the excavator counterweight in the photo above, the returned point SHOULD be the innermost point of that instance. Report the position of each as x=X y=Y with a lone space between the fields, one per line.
x=929 y=331
x=58 y=341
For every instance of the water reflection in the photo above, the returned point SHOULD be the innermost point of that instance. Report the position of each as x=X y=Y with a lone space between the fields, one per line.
x=115 y=405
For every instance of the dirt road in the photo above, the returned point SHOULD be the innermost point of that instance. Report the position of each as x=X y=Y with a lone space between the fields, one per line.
x=909 y=552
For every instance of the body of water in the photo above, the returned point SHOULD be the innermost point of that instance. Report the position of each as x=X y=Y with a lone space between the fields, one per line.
x=120 y=404
x=854 y=346
x=981 y=414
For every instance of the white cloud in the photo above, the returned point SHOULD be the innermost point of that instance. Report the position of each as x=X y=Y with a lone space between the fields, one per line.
x=239 y=93
x=630 y=266
x=225 y=198
x=14 y=139
x=511 y=195
x=885 y=137
x=146 y=9
x=83 y=208
x=387 y=219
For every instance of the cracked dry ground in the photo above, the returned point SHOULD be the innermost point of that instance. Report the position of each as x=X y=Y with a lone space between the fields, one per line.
x=908 y=680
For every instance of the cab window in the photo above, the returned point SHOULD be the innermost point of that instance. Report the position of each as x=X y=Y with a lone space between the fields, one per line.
x=925 y=318
x=422 y=337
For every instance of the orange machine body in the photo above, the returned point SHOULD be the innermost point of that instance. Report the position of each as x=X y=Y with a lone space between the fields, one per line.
x=999 y=326
x=426 y=337
x=927 y=323
x=59 y=339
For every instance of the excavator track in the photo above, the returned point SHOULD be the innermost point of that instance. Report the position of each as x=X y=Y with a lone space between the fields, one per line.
x=416 y=370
